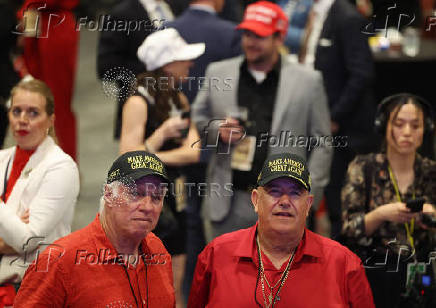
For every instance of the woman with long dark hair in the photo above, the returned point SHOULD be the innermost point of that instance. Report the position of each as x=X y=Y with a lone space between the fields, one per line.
x=156 y=119
x=378 y=223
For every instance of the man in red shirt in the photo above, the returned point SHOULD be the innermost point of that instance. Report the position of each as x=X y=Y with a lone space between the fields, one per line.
x=116 y=261
x=278 y=262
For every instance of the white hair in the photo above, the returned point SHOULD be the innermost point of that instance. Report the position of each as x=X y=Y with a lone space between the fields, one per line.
x=115 y=188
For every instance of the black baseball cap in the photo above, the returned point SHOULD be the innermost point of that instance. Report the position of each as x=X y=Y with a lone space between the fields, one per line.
x=135 y=165
x=285 y=165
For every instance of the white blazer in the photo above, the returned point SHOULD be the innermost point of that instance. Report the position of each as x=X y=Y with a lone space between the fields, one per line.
x=48 y=186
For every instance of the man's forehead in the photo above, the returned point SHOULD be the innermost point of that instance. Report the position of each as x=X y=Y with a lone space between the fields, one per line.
x=150 y=181
x=284 y=182
x=249 y=32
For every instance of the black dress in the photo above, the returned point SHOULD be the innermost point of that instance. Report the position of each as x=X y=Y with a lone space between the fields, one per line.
x=171 y=227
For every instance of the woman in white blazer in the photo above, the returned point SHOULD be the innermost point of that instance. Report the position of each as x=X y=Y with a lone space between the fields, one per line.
x=39 y=183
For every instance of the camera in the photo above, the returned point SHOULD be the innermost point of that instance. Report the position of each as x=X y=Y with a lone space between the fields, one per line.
x=422 y=291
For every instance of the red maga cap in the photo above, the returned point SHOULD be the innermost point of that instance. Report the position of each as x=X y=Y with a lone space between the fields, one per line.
x=264 y=18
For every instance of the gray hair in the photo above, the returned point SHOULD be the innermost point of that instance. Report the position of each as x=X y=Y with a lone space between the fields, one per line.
x=114 y=187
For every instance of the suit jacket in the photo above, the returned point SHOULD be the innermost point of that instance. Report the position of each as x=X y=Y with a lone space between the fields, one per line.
x=220 y=36
x=48 y=186
x=116 y=48
x=345 y=61
x=300 y=108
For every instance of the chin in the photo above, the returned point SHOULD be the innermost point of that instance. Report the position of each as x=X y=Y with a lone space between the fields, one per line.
x=251 y=56
x=282 y=228
x=25 y=146
x=407 y=150
x=254 y=59
x=139 y=233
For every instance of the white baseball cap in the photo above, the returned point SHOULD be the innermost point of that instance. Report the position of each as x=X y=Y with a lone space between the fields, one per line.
x=166 y=46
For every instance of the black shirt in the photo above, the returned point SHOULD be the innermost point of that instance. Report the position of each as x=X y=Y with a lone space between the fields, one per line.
x=259 y=99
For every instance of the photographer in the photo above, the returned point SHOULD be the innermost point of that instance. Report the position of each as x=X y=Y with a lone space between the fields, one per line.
x=380 y=222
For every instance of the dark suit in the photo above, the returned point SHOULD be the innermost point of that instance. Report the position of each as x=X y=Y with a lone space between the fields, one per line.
x=222 y=42
x=117 y=48
x=345 y=61
x=232 y=9
x=221 y=39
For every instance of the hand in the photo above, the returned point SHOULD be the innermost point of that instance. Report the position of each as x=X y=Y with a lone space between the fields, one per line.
x=334 y=127
x=428 y=210
x=172 y=126
x=5 y=249
x=396 y=212
x=230 y=131
x=25 y=216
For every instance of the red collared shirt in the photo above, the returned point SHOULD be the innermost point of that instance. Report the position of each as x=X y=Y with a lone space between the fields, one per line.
x=82 y=270
x=323 y=274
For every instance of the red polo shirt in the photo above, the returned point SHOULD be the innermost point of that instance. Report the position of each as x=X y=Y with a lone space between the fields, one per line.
x=81 y=270
x=323 y=274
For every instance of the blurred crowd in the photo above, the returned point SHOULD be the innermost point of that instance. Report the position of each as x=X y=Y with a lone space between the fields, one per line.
x=212 y=88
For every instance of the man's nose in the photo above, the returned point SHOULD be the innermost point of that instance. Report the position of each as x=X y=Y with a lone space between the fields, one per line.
x=146 y=204
x=285 y=200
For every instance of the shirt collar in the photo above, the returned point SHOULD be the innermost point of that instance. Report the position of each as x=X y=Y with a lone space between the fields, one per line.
x=275 y=69
x=203 y=7
x=308 y=246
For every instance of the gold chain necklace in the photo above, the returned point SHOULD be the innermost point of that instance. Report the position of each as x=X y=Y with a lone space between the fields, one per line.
x=272 y=300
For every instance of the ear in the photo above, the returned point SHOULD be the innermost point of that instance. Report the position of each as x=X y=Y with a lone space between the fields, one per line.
x=309 y=202
x=279 y=41
x=108 y=195
x=255 y=199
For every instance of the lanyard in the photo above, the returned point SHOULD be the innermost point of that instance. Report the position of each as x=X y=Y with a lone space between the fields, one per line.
x=409 y=228
x=141 y=255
